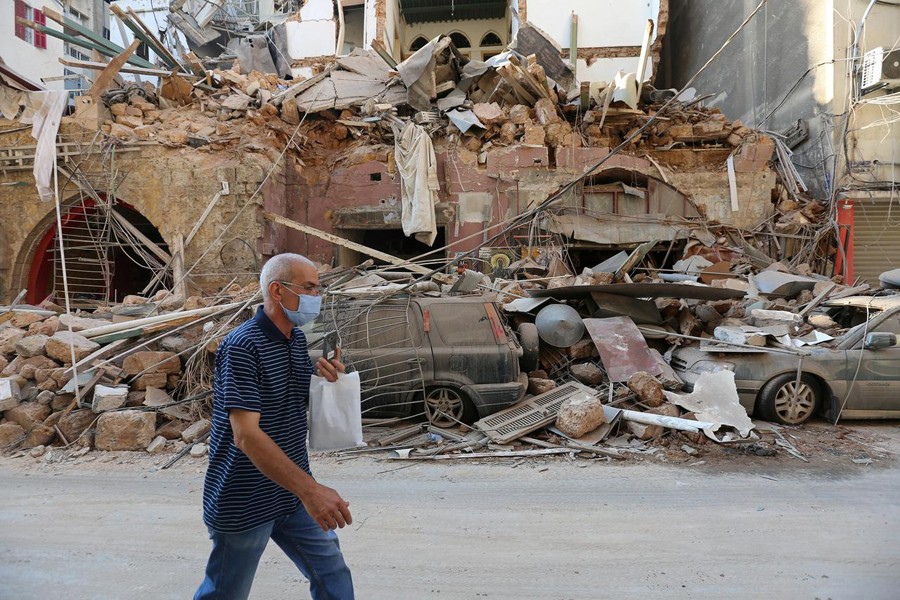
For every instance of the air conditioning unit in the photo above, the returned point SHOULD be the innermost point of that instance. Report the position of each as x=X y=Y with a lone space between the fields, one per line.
x=880 y=69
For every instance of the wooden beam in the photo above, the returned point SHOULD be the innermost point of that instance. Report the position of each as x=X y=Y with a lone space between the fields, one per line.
x=159 y=252
x=99 y=66
x=334 y=239
x=179 y=283
x=206 y=211
x=642 y=61
x=106 y=76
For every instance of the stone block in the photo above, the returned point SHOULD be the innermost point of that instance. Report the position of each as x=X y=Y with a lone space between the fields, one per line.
x=60 y=346
x=61 y=401
x=22 y=319
x=28 y=414
x=539 y=386
x=648 y=390
x=157 y=380
x=46 y=327
x=108 y=398
x=31 y=345
x=580 y=414
x=77 y=324
x=45 y=397
x=582 y=349
x=196 y=431
x=3 y=362
x=118 y=109
x=10 y=396
x=545 y=111
x=8 y=338
x=489 y=114
x=587 y=373
x=11 y=434
x=157 y=445
x=519 y=114
x=125 y=430
x=152 y=362
x=38 y=435
x=199 y=450
x=172 y=430
x=130 y=121
x=29 y=366
x=644 y=432
x=73 y=424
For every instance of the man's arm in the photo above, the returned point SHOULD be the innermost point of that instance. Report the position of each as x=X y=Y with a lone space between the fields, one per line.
x=322 y=503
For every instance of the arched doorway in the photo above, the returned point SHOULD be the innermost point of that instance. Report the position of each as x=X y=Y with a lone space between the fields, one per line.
x=107 y=255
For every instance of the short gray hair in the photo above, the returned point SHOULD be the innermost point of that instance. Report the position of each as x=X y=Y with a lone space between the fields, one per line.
x=279 y=268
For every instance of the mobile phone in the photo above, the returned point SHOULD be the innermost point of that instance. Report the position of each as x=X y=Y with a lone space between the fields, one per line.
x=329 y=345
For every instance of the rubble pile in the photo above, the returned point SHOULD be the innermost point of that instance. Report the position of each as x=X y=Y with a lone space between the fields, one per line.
x=132 y=360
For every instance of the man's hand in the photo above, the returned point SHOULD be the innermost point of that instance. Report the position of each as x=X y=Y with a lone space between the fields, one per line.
x=326 y=507
x=329 y=369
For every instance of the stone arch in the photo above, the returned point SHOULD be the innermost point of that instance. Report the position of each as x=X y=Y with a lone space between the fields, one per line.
x=33 y=267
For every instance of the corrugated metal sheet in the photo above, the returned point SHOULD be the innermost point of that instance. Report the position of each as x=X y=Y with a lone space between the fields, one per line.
x=876 y=238
x=429 y=11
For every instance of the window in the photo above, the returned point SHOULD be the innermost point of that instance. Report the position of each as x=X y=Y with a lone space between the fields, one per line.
x=459 y=40
x=491 y=39
x=418 y=44
x=35 y=38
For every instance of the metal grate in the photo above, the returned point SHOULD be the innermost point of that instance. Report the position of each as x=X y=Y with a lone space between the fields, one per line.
x=532 y=413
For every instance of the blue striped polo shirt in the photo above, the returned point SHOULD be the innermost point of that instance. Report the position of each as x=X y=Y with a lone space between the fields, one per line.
x=257 y=369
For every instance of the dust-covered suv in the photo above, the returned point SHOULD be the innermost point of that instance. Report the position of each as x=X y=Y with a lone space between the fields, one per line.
x=453 y=357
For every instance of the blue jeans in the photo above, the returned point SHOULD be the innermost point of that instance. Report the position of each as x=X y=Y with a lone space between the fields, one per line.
x=235 y=556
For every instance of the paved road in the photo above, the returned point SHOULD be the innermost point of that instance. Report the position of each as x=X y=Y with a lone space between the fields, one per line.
x=549 y=530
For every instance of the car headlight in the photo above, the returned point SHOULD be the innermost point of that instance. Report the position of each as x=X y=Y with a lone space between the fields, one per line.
x=711 y=366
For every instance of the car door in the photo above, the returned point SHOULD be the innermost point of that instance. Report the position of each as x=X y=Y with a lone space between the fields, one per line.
x=875 y=374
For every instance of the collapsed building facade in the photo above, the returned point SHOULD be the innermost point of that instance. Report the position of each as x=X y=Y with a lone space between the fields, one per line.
x=223 y=152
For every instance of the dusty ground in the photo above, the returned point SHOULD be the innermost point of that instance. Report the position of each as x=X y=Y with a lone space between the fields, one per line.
x=664 y=525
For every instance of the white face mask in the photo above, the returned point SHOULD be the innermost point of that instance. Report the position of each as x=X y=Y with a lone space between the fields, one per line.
x=307 y=310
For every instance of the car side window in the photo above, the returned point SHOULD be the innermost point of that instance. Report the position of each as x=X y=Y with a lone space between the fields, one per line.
x=384 y=325
x=890 y=325
x=461 y=324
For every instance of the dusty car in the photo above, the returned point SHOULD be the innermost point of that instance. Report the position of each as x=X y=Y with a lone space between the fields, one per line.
x=454 y=358
x=857 y=376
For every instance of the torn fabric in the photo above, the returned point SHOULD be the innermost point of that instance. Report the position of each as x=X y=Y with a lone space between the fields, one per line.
x=715 y=399
x=419 y=185
x=44 y=128
x=43 y=110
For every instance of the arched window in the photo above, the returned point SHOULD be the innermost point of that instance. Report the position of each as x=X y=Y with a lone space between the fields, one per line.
x=459 y=40
x=491 y=39
x=418 y=44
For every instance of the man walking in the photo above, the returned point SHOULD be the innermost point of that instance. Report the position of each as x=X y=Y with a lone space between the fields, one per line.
x=258 y=484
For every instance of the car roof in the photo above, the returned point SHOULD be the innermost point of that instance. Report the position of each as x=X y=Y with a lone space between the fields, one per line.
x=876 y=302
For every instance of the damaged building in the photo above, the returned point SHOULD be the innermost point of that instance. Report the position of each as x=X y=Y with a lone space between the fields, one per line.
x=498 y=148
x=506 y=136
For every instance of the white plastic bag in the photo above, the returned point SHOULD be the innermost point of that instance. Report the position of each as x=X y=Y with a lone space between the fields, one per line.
x=335 y=418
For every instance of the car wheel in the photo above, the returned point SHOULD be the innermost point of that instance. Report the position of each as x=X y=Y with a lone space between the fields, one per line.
x=446 y=407
x=784 y=401
x=530 y=342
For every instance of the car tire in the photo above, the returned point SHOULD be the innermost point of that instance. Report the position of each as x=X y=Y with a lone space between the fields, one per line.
x=447 y=406
x=530 y=342
x=776 y=399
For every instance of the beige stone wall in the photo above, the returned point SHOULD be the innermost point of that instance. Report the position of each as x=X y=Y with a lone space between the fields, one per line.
x=171 y=188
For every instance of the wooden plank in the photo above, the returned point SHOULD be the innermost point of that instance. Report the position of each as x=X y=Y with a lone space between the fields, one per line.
x=206 y=211
x=81 y=30
x=107 y=75
x=99 y=66
x=347 y=243
x=529 y=79
x=150 y=40
x=524 y=96
x=99 y=353
x=642 y=61
x=159 y=252
x=498 y=454
x=137 y=21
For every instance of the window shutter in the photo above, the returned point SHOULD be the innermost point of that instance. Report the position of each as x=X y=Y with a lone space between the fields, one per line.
x=20 y=12
x=40 y=39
